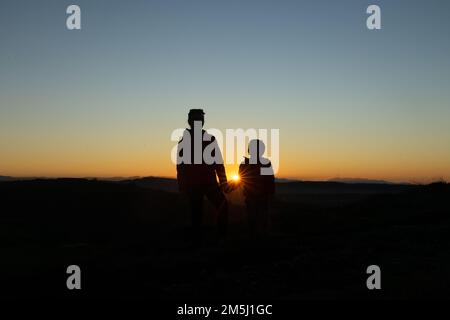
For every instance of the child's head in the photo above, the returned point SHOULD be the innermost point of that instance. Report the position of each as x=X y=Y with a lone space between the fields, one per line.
x=256 y=149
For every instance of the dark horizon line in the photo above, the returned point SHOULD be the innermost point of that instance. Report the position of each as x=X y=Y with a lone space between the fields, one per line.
x=278 y=180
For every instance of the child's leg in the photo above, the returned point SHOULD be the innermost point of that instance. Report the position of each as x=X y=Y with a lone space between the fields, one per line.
x=252 y=215
x=264 y=215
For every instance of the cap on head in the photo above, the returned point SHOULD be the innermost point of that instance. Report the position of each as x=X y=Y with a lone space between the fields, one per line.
x=196 y=115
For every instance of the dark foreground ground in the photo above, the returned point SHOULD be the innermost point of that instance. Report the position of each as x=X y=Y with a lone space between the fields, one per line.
x=130 y=240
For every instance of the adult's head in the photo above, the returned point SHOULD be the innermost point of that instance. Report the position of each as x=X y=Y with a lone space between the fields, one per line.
x=196 y=115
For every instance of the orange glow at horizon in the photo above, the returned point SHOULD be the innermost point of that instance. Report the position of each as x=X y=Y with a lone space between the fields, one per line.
x=118 y=154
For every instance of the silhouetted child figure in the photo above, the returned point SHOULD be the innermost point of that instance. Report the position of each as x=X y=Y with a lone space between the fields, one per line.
x=258 y=183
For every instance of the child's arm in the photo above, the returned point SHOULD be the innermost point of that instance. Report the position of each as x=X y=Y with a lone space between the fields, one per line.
x=270 y=181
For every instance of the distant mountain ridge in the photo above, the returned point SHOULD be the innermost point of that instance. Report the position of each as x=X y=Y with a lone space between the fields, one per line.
x=360 y=181
x=147 y=179
x=283 y=187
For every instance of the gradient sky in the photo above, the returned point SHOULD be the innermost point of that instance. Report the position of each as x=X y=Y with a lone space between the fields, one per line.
x=104 y=100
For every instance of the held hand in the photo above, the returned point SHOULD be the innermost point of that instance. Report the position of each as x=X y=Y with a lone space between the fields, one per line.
x=230 y=186
x=225 y=187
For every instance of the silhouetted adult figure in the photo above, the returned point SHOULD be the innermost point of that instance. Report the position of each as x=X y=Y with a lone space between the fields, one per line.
x=197 y=175
x=258 y=183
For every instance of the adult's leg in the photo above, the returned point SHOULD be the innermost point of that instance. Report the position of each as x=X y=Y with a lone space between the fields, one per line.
x=196 y=204
x=219 y=201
